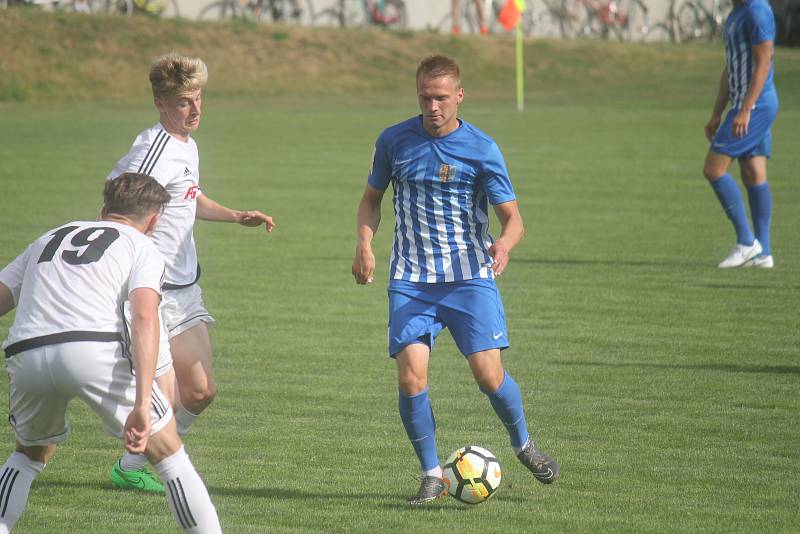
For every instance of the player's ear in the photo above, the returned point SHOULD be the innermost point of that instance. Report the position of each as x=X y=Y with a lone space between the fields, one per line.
x=151 y=224
x=102 y=214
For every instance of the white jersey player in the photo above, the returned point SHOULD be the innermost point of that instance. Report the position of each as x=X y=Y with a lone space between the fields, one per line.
x=70 y=339
x=169 y=154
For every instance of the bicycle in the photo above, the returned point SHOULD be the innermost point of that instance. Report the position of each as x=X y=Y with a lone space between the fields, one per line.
x=153 y=8
x=351 y=13
x=624 y=19
x=78 y=6
x=278 y=11
x=696 y=22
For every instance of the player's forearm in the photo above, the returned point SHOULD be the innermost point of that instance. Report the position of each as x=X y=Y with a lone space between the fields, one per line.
x=760 y=74
x=722 y=94
x=512 y=232
x=209 y=210
x=368 y=220
x=144 y=348
x=145 y=332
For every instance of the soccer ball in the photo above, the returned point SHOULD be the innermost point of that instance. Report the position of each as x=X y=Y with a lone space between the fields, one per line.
x=472 y=474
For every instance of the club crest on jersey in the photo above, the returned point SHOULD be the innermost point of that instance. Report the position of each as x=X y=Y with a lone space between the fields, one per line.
x=447 y=172
x=191 y=193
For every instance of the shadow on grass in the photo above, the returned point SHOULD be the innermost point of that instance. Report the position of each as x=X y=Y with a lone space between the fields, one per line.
x=382 y=501
x=726 y=367
x=611 y=262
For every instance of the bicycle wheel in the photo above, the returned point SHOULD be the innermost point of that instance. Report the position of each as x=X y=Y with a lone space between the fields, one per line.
x=121 y=7
x=81 y=6
x=288 y=12
x=691 y=22
x=574 y=20
x=220 y=10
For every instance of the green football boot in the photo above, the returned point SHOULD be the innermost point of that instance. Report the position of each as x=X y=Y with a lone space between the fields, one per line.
x=141 y=479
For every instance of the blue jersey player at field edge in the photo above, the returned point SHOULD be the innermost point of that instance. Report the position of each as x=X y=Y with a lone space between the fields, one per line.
x=746 y=83
x=444 y=173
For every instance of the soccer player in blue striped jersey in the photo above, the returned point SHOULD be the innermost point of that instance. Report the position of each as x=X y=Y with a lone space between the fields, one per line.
x=445 y=172
x=746 y=83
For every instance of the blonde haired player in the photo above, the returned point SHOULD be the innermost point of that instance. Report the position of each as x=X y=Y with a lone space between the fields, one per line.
x=167 y=152
x=69 y=339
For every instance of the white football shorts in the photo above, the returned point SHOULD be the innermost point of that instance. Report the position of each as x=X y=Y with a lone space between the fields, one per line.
x=183 y=308
x=44 y=380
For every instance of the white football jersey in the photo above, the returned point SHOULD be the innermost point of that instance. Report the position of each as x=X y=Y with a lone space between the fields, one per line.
x=75 y=278
x=176 y=166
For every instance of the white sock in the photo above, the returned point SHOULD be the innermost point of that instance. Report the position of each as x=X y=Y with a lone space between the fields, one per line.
x=435 y=472
x=184 y=419
x=132 y=462
x=187 y=495
x=518 y=450
x=16 y=477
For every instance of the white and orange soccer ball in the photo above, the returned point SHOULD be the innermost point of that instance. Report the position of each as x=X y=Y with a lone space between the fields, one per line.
x=472 y=474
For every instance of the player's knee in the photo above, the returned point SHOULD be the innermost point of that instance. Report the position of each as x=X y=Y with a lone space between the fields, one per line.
x=41 y=454
x=712 y=172
x=197 y=397
x=489 y=382
x=411 y=384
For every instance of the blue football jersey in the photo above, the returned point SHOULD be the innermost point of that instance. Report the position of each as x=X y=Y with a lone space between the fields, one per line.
x=748 y=24
x=442 y=190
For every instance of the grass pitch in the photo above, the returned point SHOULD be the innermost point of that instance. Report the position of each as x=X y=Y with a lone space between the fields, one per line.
x=666 y=388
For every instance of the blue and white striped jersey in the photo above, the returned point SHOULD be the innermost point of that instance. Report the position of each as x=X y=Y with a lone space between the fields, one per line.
x=442 y=188
x=748 y=24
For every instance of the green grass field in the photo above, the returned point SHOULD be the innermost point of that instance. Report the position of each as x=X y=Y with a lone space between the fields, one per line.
x=667 y=389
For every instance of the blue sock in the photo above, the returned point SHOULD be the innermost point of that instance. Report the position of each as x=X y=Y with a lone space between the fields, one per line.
x=507 y=404
x=417 y=416
x=731 y=200
x=761 y=210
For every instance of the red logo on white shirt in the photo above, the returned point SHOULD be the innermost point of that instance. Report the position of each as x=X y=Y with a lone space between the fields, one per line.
x=191 y=193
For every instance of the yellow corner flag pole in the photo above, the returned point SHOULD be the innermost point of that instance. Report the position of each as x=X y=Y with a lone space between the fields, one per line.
x=520 y=71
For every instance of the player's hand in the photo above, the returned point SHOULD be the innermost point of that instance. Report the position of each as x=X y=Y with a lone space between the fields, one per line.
x=712 y=127
x=499 y=253
x=364 y=265
x=256 y=218
x=137 y=429
x=741 y=122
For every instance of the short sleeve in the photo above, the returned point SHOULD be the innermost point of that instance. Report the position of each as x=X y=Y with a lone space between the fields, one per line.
x=144 y=156
x=494 y=177
x=13 y=274
x=147 y=269
x=380 y=173
x=763 y=24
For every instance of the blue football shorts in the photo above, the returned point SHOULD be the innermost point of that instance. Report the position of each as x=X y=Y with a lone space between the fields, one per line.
x=757 y=142
x=471 y=309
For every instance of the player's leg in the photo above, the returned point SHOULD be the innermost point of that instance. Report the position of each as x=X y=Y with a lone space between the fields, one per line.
x=417 y=416
x=456 y=16
x=730 y=198
x=754 y=175
x=106 y=383
x=38 y=400
x=16 y=477
x=187 y=495
x=412 y=330
x=187 y=321
x=506 y=400
x=191 y=356
x=473 y=311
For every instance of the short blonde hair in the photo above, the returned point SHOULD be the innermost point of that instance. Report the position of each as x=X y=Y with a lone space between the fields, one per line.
x=173 y=74
x=439 y=66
